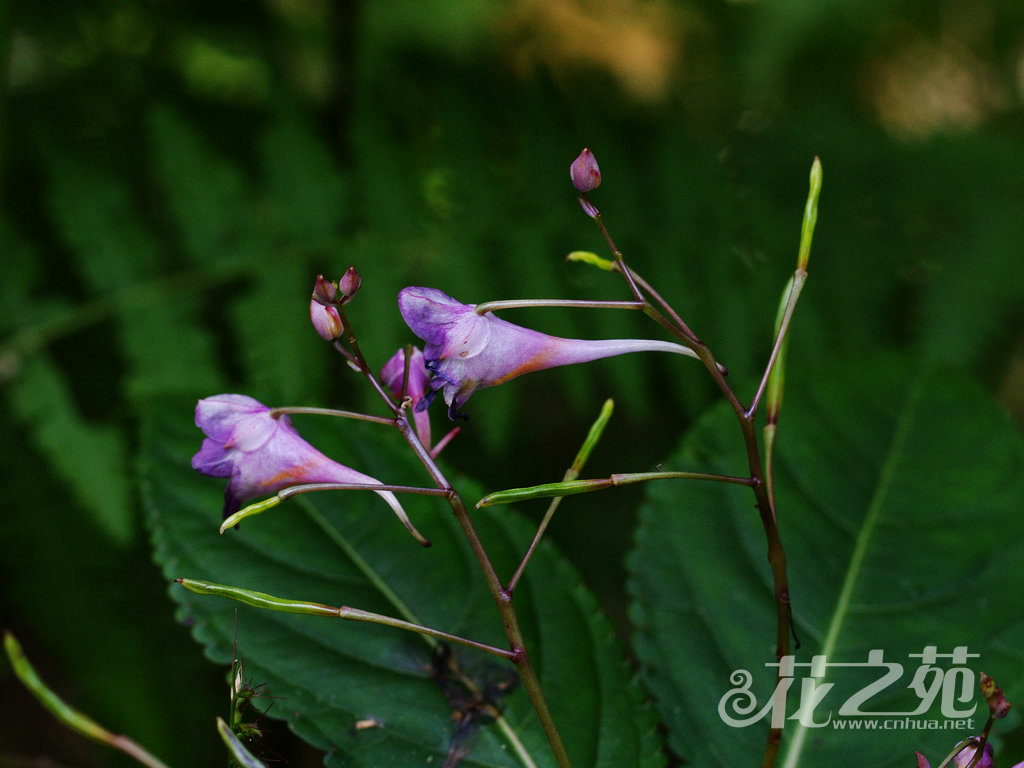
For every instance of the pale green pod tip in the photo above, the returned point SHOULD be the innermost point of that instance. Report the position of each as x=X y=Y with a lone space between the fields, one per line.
x=596 y=430
x=589 y=257
x=810 y=215
x=248 y=511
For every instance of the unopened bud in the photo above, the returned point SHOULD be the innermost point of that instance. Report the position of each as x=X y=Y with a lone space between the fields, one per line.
x=349 y=284
x=324 y=290
x=584 y=172
x=922 y=761
x=998 y=706
x=322 y=312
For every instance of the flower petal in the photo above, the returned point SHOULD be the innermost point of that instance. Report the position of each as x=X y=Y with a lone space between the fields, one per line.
x=218 y=415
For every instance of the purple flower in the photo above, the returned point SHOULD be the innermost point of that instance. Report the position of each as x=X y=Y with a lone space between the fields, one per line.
x=392 y=375
x=467 y=351
x=261 y=452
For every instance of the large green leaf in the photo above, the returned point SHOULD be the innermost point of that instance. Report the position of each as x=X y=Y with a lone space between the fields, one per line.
x=91 y=458
x=347 y=548
x=899 y=494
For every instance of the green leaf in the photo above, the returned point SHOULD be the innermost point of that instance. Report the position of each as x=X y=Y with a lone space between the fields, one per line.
x=206 y=192
x=306 y=196
x=899 y=501
x=91 y=458
x=94 y=213
x=118 y=256
x=347 y=548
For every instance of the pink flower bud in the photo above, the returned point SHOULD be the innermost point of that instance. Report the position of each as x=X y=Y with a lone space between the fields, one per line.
x=584 y=172
x=326 y=320
x=324 y=290
x=322 y=311
x=998 y=706
x=349 y=284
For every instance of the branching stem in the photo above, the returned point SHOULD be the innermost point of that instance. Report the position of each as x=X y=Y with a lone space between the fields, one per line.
x=502 y=596
x=757 y=480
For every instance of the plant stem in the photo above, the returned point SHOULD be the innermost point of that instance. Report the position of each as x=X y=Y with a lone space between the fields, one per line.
x=502 y=597
x=637 y=295
x=360 y=361
x=572 y=487
x=313 y=411
x=638 y=280
x=272 y=603
x=494 y=306
x=799 y=278
x=67 y=714
x=757 y=480
x=766 y=511
x=572 y=473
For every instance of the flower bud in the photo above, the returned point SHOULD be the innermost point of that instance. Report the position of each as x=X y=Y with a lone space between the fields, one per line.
x=326 y=320
x=324 y=290
x=998 y=706
x=349 y=284
x=322 y=312
x=584 y=172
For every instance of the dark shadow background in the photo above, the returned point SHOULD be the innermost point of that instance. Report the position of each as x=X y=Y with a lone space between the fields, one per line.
x=176 y=174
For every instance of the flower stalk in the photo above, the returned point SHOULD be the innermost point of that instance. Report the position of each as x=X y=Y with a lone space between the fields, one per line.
x=571 y=474
x=571 y=486
x=285 y=605
x=502 y=597
x=759 y=479
x=65 y=713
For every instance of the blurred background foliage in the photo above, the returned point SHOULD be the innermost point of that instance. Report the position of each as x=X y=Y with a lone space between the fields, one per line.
x=176 y=174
